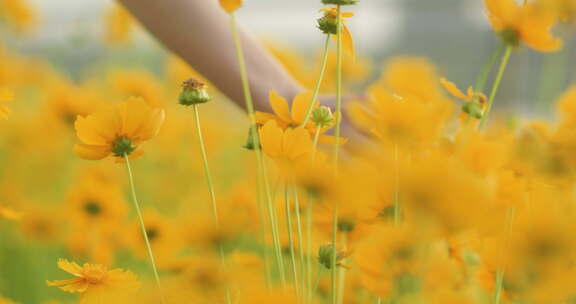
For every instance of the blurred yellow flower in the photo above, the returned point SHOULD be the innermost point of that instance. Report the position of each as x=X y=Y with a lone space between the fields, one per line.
x=230 y=5
x=119 y=25
x=524 y=23
x=9 y=214
x=285 y=145
x=5 y=96
x=19 y=14
x=117 y=130
x=97 y=284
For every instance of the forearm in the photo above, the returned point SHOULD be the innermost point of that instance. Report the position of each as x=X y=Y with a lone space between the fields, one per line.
x=199 y=32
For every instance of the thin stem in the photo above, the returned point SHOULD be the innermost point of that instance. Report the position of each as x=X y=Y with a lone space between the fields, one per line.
x=211 y=191
x=259 y=157
x=206 y=167
x=300 y=239
x=318 y=276
x=496 y=85
x=309 y=213
x=342 y=276
x=143 y=227
x=337 y=148
x=291 y=241
x=488 y=66
x=318 y=81
x=315 y=143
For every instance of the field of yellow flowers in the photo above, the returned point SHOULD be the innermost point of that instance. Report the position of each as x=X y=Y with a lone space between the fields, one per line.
x=136 y=187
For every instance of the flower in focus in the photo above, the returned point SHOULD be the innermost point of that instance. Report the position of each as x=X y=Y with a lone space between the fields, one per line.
x=475 y=102
x=5 y=96
x=329 y=25
x=97 y=284
x=117 y=130
x=230 y=5
x=290 y=144
x=524 y=23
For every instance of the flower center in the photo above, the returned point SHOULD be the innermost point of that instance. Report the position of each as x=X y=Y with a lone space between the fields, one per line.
x=122 y=146
x=93 y=208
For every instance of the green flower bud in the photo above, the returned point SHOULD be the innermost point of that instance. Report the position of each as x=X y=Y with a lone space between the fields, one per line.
x=193 y=92
x=325 y=256
x=250 y=144
x=340 y=2
x=511 y=37
x=322 y=116
x=346 y=225
x=474 y=109
x=328 y=25
x=122 y=146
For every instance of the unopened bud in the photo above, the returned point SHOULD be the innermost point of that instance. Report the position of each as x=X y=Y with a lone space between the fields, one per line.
x=193 y=92
x=322 y=116
x=474 y=109
x=328 y=24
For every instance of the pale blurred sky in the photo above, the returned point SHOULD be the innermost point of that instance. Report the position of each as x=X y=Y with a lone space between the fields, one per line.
x=378 y=23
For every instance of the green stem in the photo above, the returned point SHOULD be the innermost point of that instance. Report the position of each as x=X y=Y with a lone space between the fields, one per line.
x=318 y=81
x=337 y=149
x=309 y=213
x=318 y=277
x=259 y=157
x=210 y=187
x=488 y=66
x=206 y=167
x=496 y=85
x=342 y=276
x=300 y=239
x=143 y=227
x=291 y=241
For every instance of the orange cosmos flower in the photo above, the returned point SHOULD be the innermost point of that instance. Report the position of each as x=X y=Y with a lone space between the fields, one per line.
x=97 y=284
x=524 y=23
x=230 y=5
x=118 y=130
x=5 y=96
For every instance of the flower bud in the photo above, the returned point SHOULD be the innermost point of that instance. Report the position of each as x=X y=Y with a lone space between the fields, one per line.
x=340 y=2
x=322 y=116
x=250 y=144
x=193 y=92
x=328 y=24
x=474 y=109
x=122 y=146
x=325 y=256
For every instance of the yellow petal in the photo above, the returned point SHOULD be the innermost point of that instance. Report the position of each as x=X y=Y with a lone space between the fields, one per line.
x=296 y=143
x=263 y=117
x=279 y=106
x=331 y=140
x=347 y=42
x=271 y=139
x=136 y=115
x=230 y=5
x=300 y=106
x=452 y=88
x=152 y=127
x=6 y=95
x=91 y=152
x=70 y=267
x=72 y=285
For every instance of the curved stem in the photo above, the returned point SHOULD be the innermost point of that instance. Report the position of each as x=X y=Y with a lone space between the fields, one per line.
x=300 y=240
x=254 y=132
x=496 y=85
x=143 y=227
x=318 y=81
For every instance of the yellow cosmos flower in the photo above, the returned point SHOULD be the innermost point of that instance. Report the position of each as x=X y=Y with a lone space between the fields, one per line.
x=117 y=130
x=5 y=96
x=294 y=117
x=97 y=284
x=347 y=41
x=524 y=23
x=289 y=145
x=230 y=5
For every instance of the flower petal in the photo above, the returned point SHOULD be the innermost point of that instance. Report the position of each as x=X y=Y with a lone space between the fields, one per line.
x=271 y=139
x=91 y=152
